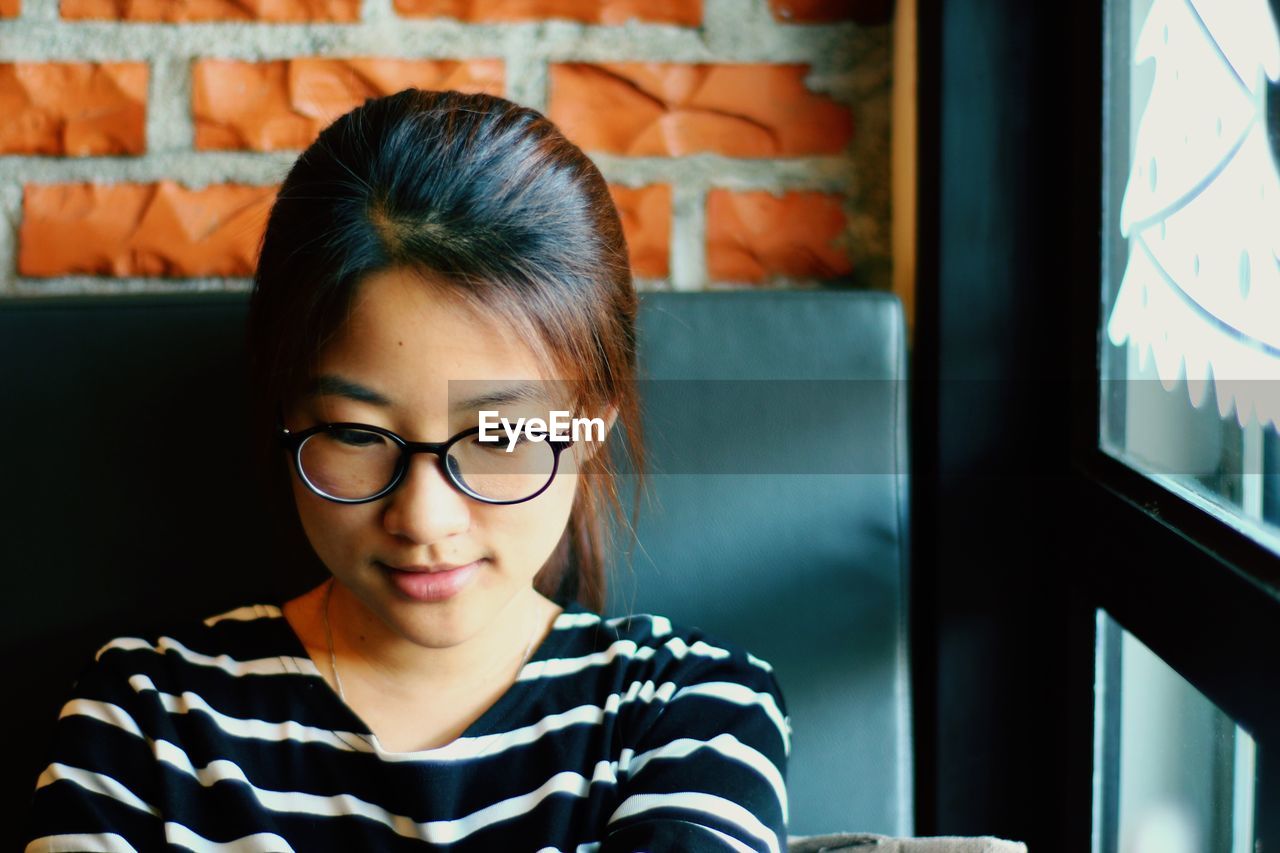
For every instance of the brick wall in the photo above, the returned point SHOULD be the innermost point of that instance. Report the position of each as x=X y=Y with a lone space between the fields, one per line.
x=141 y=141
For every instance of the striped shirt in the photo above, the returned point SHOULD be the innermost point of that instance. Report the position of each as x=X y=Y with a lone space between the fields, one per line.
x=621 y=734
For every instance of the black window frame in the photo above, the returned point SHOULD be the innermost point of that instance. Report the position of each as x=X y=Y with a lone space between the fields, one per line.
x=1022 y=526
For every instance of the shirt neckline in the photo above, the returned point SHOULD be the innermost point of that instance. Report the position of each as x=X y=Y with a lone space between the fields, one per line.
x=491 y=721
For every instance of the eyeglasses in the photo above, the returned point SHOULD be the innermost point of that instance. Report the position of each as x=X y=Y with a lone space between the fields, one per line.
x=354 y=463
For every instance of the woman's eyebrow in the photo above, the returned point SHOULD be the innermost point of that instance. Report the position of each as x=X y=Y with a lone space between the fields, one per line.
x=332 y=384
x=527 y=392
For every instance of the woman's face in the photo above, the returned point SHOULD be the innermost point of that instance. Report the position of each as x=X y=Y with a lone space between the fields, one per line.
x=404 y=342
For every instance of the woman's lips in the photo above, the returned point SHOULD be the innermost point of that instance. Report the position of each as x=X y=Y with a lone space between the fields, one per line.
x=432 y=586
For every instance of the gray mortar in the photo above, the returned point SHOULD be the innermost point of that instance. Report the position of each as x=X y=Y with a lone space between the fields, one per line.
x=849 y=63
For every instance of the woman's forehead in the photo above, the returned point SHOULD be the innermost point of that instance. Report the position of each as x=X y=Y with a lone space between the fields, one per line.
x=398 y=318
x=414 y=348
x=462 y=395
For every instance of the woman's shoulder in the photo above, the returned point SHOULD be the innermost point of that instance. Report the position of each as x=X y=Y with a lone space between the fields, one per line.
x=239 y=640
x=682 y=680
x=663 y=649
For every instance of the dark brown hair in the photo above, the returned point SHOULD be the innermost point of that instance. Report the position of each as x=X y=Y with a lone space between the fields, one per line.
x=490 y=199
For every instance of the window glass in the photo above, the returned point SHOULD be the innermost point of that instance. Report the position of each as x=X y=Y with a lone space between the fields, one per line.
x=1172 y=773
x=1190 y=321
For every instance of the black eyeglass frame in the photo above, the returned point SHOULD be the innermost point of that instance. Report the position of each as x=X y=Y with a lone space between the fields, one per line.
x=293 y=441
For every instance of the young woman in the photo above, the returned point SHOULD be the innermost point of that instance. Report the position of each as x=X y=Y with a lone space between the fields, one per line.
x=451 y=685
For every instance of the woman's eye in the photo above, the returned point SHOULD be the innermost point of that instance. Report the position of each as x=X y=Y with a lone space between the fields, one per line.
x=501 y=444
x=357 y=438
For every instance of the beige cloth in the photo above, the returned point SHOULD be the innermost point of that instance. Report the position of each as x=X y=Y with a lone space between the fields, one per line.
x=863 y=843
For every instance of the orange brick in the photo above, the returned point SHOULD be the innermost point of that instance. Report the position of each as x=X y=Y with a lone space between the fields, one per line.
x=646 y=222
x=674 y=109
x=752 y=235
x=266 y=106
x=687 y=12
x=212 y=10
x=10 y=8
x=819 y=11
x=73 y=109
x=141 y=229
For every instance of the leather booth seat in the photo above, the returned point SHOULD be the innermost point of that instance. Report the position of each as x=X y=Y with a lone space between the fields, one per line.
x=776 y=514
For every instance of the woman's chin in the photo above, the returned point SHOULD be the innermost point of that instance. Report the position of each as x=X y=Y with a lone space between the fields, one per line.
x=440 y=623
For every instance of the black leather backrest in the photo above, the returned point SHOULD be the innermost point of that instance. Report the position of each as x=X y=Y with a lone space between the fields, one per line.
x=129 y=499
x=779 y=522
x=113 y=408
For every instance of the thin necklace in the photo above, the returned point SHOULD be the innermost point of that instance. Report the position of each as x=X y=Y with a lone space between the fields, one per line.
x=333 y=658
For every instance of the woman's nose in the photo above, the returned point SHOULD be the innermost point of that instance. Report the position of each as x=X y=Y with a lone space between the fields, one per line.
x=425 y=506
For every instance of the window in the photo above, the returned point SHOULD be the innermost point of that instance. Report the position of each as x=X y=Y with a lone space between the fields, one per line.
x=1174 y=774
x=1190 y=342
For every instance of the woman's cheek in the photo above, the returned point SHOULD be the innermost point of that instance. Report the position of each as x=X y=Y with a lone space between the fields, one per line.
x=334 y=535
x=542 y=521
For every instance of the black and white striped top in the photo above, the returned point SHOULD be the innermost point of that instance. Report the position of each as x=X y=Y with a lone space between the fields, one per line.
x=619 y=734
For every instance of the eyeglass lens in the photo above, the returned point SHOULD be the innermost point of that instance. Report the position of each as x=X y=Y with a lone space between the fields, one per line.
x=352 y=464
